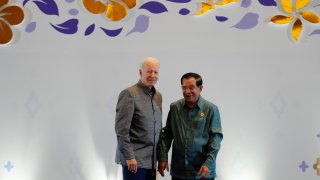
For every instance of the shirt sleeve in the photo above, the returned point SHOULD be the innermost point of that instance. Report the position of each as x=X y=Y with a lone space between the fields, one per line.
x=166 y=137
x=124 y=114
x=215 y=138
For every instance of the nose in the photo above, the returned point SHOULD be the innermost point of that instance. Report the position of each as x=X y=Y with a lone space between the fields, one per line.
x=153 y=74
x=187 y=90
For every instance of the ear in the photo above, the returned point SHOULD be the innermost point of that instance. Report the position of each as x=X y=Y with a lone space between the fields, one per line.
x=140 y=72
x=201 y=88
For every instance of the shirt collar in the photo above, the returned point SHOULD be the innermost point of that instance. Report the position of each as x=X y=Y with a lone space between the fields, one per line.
x=146 y=89
x=199 y=103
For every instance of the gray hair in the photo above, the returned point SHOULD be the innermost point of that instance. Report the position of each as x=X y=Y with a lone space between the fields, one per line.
x=148 y=59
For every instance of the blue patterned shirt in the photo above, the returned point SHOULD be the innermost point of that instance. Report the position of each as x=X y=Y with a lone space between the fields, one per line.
x=196 y=134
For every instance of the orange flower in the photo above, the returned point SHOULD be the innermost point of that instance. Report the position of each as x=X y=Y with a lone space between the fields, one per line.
x=295 y=14
x=115 y=10
x=9 y=15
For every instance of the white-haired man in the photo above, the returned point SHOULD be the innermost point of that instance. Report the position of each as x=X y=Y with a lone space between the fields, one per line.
x=138 y=124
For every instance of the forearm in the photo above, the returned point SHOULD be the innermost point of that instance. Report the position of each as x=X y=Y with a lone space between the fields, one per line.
x=213 y=148
x=124 y=114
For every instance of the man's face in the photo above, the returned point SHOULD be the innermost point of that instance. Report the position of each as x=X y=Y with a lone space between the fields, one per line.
x=149 y=74
x=190 y=90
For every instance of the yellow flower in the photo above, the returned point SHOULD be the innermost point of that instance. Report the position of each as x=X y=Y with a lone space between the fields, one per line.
x=295 y=13
x=210 y=5
x=316 y=166
x=115 y=10
x=9 y=15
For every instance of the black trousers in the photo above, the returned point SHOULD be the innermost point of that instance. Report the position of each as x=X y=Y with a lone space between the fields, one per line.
x=173 y=178
x=141 y=174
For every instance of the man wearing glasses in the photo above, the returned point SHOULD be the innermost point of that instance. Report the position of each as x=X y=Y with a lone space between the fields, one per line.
x=193 y=124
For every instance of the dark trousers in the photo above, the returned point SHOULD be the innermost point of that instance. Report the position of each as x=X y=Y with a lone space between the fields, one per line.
x=173 y=178
x=141 y=174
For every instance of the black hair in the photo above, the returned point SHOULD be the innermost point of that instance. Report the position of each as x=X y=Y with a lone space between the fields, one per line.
x=196 y=76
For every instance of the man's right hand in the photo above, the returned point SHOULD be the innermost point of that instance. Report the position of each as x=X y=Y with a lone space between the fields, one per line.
x=132 y=165
x=162 y=165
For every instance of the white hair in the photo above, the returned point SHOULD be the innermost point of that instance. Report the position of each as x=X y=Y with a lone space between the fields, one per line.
x=148 y=60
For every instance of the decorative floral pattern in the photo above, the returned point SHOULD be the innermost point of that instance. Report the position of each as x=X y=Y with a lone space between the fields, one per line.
x=294 y=14
x=210 y=5
x=316 y=166
x=115 y=10
x=9 y=15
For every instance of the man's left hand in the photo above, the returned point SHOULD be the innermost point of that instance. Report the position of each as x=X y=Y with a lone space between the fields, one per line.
x=204 y=172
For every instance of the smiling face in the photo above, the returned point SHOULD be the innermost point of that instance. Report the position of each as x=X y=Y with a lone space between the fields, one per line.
x=149 y=72
x=191 y=91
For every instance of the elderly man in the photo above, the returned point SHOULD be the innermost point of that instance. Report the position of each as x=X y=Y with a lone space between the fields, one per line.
x=138 y=124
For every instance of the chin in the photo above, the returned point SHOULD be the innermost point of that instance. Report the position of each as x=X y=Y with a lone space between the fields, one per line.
x=188 y=99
